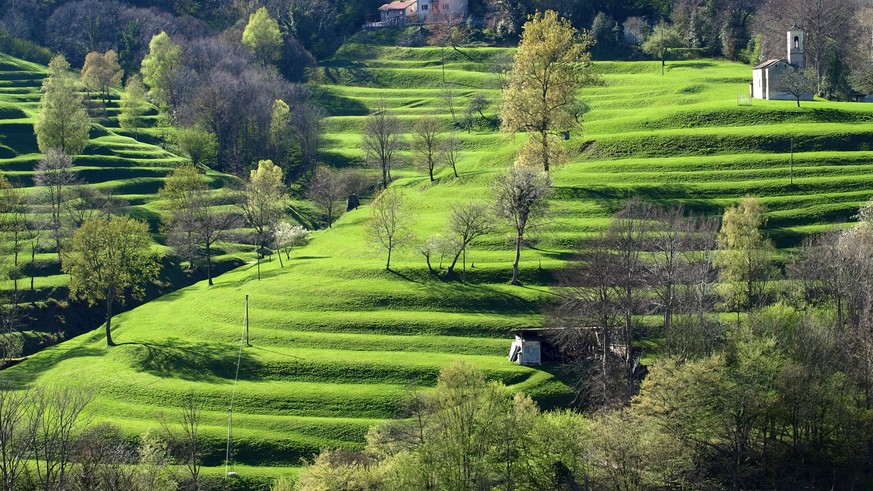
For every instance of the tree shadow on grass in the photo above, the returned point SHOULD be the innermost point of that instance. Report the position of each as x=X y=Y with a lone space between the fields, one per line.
x=202 y=362
x=34 y=367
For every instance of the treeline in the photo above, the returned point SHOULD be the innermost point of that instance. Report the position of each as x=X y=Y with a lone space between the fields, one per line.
x=50 y=441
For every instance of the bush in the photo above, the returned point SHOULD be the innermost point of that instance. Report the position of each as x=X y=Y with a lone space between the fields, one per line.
x=21 y=48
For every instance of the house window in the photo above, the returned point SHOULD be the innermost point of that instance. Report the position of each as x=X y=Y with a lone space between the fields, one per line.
x=424 y=7
x=796 y=42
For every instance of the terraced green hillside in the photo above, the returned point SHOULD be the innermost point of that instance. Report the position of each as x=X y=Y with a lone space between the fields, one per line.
x=337 y=341
x=113 y=160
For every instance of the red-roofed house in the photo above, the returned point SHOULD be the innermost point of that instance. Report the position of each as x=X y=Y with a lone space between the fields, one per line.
x=398 y=12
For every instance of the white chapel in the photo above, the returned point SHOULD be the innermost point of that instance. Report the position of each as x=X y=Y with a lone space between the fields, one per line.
x=765 y=77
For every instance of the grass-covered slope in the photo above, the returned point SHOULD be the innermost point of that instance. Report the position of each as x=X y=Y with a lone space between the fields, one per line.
x=337 y=341
x=132 y=169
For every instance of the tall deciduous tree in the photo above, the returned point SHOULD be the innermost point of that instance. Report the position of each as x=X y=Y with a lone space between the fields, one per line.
x=261 y=35
x=196 y=225
x=327 y=190
x=160 y=68
x=280 y=131
x=520 y=196
x=102 y=73
x=551 y=65
x=662 y=39
x=426 y=142
x=62 y=122
x=390 y=224
x=382 y=139
x=744 y=256
x=263 y=203
x=54 y=175
x=133 y=106
x=109 y=259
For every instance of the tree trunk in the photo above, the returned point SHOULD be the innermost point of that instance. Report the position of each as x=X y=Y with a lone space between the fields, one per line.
x=109 y=301
x=518 y=240
x=663 y=61
x=388 y=262
x=545 y=143
x=281 y=264
x=384 y=175
x=209 y=264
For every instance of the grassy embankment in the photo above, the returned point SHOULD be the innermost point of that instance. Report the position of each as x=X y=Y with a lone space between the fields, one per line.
x=114 y=161
x=337 y=341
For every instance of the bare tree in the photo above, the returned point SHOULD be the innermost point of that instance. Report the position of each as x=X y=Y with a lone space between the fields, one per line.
x=327 y=190
x=187 y=442
x=587 y=316
x=435 y=247
x=798 y=83
x=469 y=220
x=450 y=99
x=56 y=414
x=450 y=151
x=382 y=139
x=307 y=122
x=390 y=224
x=15 y=431
x=627 y=235
x=426 y=142
x=54 y=174
x=520 y=196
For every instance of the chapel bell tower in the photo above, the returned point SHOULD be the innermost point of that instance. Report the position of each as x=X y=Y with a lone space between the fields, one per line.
x=796 y=53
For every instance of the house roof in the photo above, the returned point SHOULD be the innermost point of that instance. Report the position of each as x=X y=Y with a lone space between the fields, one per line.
x=795 y=27
x=397 y=5
x=767 y=64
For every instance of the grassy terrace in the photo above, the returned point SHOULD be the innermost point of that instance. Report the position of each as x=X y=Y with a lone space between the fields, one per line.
x=337 y=341
x=113 y=160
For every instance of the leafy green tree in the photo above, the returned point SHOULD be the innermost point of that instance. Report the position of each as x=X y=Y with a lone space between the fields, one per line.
x=133 y=106
x=280 y=130
x=263 y=203
x=551 y=65
x=109 y=259
x=199 y=145
x=744 y=256
x=390 y=225
x=102 y=73
x=62 y=122
x=520 y=196
x=660 y=41
x=262 y=36
x=160 y=67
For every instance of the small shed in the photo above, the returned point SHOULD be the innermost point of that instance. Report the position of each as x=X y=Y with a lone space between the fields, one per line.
x=533 y=346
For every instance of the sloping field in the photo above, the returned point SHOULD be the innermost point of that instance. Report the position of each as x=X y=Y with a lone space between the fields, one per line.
x=337 y=341
x=113 y=161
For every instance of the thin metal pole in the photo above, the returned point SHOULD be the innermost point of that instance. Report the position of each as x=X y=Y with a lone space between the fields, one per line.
x=247 y=321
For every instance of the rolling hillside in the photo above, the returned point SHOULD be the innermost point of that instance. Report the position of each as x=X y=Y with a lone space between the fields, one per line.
x=113 y=161
x=337 y=341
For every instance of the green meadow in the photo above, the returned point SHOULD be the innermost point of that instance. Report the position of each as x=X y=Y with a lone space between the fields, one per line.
x=129 y=165
x=337 y=341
